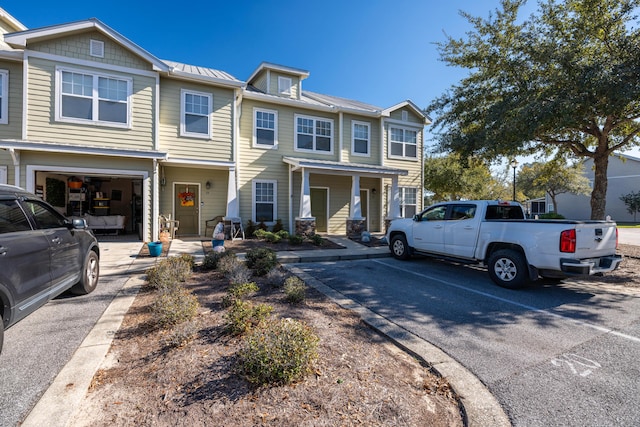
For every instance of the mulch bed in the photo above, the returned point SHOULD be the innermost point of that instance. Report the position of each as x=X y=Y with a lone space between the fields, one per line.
x=373 y=243
x=144 y=252
x=239 y=246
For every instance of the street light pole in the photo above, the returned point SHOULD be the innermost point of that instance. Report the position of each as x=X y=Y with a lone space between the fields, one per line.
x=514 y=165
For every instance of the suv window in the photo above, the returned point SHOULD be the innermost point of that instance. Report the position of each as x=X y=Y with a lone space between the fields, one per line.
x=12 y=218
x=43 y=215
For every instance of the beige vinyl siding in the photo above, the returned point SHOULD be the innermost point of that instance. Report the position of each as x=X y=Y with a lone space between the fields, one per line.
x=41 y=112
x=77 y=46
x=213 y=201
x=261 y=82
x=374 y=140
x=412 y=117
x=219 y=147
x=13 y=129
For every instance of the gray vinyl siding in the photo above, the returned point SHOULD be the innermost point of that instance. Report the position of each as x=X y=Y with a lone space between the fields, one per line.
x=77 y=47
x=13 y=129
x=42 y=125
x=295 y=84
x=219 y=147
x=411 y=116
x=261 y=82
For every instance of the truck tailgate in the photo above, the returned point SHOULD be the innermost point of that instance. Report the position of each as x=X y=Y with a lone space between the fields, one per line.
x=595 y=239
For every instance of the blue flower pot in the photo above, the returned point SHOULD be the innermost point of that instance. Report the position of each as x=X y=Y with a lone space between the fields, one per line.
x=155 y=248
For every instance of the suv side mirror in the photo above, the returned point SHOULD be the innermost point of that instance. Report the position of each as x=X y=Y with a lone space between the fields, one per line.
x=79 y=223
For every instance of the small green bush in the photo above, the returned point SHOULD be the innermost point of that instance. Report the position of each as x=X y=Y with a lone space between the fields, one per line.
x=212 y=259
x=296 y=239
x=228 y=262
x=188 y=258
x=277 y=227
x=275 y=278
x=294 y=289
x=280 y=352
x=316 y=239
x=169 y=272
x=240 y=274
x=239 y=291
x=283 y=234
x=242 y=316
x=182 y=334
x=174 y=307
x=261 y=260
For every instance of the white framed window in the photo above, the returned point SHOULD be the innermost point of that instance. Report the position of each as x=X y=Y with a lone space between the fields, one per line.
x=408 y=201
x=284 y=85
x=265 y=128
x=403 y=143
x=314 y=134
x=265 y=208
x=360 y=138
x=4 y=97
x=195 y=114
x=84 y=97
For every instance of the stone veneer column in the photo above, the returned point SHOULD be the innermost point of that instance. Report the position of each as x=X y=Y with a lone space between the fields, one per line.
x=305 y=226
x=355 y=227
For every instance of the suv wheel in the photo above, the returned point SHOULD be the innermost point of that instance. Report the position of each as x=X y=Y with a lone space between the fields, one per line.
x=90 y=274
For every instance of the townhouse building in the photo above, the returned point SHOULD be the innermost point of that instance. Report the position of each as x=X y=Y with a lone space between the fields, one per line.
x=99 y=126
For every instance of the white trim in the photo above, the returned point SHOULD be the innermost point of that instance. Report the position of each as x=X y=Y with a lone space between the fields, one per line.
x=353 y=138
x=314 y=135
x=275 y=129
x=404 y=144
x=4 y=106
x=401 y=204
x=275 y=199
x=25 y=96
x=95 y=99
x=183 y=112
x=400 y=123
x=99 y=67
x=284 y=85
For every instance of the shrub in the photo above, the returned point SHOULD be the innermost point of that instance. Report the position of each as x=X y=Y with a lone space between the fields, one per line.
x=262 y=226
x=251 y=228
x=294 y=289
x=260 y=233
x=188 y=258
x=243 y=316
x=296 y=239
x=283 y=234
x=239 y=274
x=174 y=307
x=280 y=352
x=169 y=272
x=239 y=291
x=277 y=226
x=316 y=239
x=261 y=260
x=227 y=263
x=275 y=277
x=212 y=259
x=182 y=334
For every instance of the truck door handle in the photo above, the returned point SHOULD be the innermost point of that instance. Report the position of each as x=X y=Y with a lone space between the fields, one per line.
x=3 y=250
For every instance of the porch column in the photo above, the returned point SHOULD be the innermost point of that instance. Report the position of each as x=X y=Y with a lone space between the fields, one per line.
x=356 y=224
x=305 y=196
x=232 y=196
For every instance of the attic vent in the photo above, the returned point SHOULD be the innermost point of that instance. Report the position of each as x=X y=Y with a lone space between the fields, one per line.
x=405 y=116
x=96 y=48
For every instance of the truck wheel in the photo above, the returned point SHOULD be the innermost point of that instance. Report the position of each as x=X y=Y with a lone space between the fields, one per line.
x=90 y=274
x=399 y=247
x=508 y=268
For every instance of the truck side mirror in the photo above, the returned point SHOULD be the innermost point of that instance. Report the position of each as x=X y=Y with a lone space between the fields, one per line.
x=417 y=218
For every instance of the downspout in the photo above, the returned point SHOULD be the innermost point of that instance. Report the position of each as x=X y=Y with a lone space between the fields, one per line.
x=156 y=127
x=155 y=205
x=291 y=200
x=25 y=85
x=15 y=155
x=340 y=136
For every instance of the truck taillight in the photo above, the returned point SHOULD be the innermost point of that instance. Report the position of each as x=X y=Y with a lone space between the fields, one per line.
x=568 y=241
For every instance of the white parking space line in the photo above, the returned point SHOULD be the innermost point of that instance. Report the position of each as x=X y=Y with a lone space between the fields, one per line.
x=515 y=303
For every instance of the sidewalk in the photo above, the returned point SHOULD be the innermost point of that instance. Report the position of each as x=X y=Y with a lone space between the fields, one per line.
x=58 y=405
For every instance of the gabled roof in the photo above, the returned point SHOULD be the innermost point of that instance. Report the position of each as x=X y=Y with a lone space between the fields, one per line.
x=302 y=74
x=13 y=22
x=22 y=38
x=343 y=103
x=412 y=106
x=203 y=74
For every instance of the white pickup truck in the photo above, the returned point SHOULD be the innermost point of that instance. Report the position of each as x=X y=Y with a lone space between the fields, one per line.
x=515 y=250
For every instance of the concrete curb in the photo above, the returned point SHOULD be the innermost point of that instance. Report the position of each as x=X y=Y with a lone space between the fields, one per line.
x=62 y=399
x=480 y=406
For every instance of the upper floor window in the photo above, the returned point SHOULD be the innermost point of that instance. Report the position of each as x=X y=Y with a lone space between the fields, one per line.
x=284 y=85
x=4 y=97
x=265 y=128
x=314 y=134
x=93 y=98
x=403 y=143
x=195 y=114
x=360 y=139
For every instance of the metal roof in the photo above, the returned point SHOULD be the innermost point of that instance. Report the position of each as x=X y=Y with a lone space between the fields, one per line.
x=343 y=168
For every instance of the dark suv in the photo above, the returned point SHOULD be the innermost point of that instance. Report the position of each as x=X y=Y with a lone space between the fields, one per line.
x=42 y=254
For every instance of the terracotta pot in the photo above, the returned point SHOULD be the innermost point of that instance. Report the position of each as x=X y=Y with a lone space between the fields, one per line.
x=75 y=184
x=164 y=236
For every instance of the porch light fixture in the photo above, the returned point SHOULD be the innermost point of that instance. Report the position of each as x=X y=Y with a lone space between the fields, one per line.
x=208 y=185
x=373 y=191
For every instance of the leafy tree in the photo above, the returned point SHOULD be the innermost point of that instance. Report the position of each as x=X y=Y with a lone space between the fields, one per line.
x=452 y=178
x=563 y=81
x=632 y=200
x=553 y=177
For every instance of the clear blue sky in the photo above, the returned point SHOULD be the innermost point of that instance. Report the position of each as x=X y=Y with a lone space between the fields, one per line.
x=374 y=51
